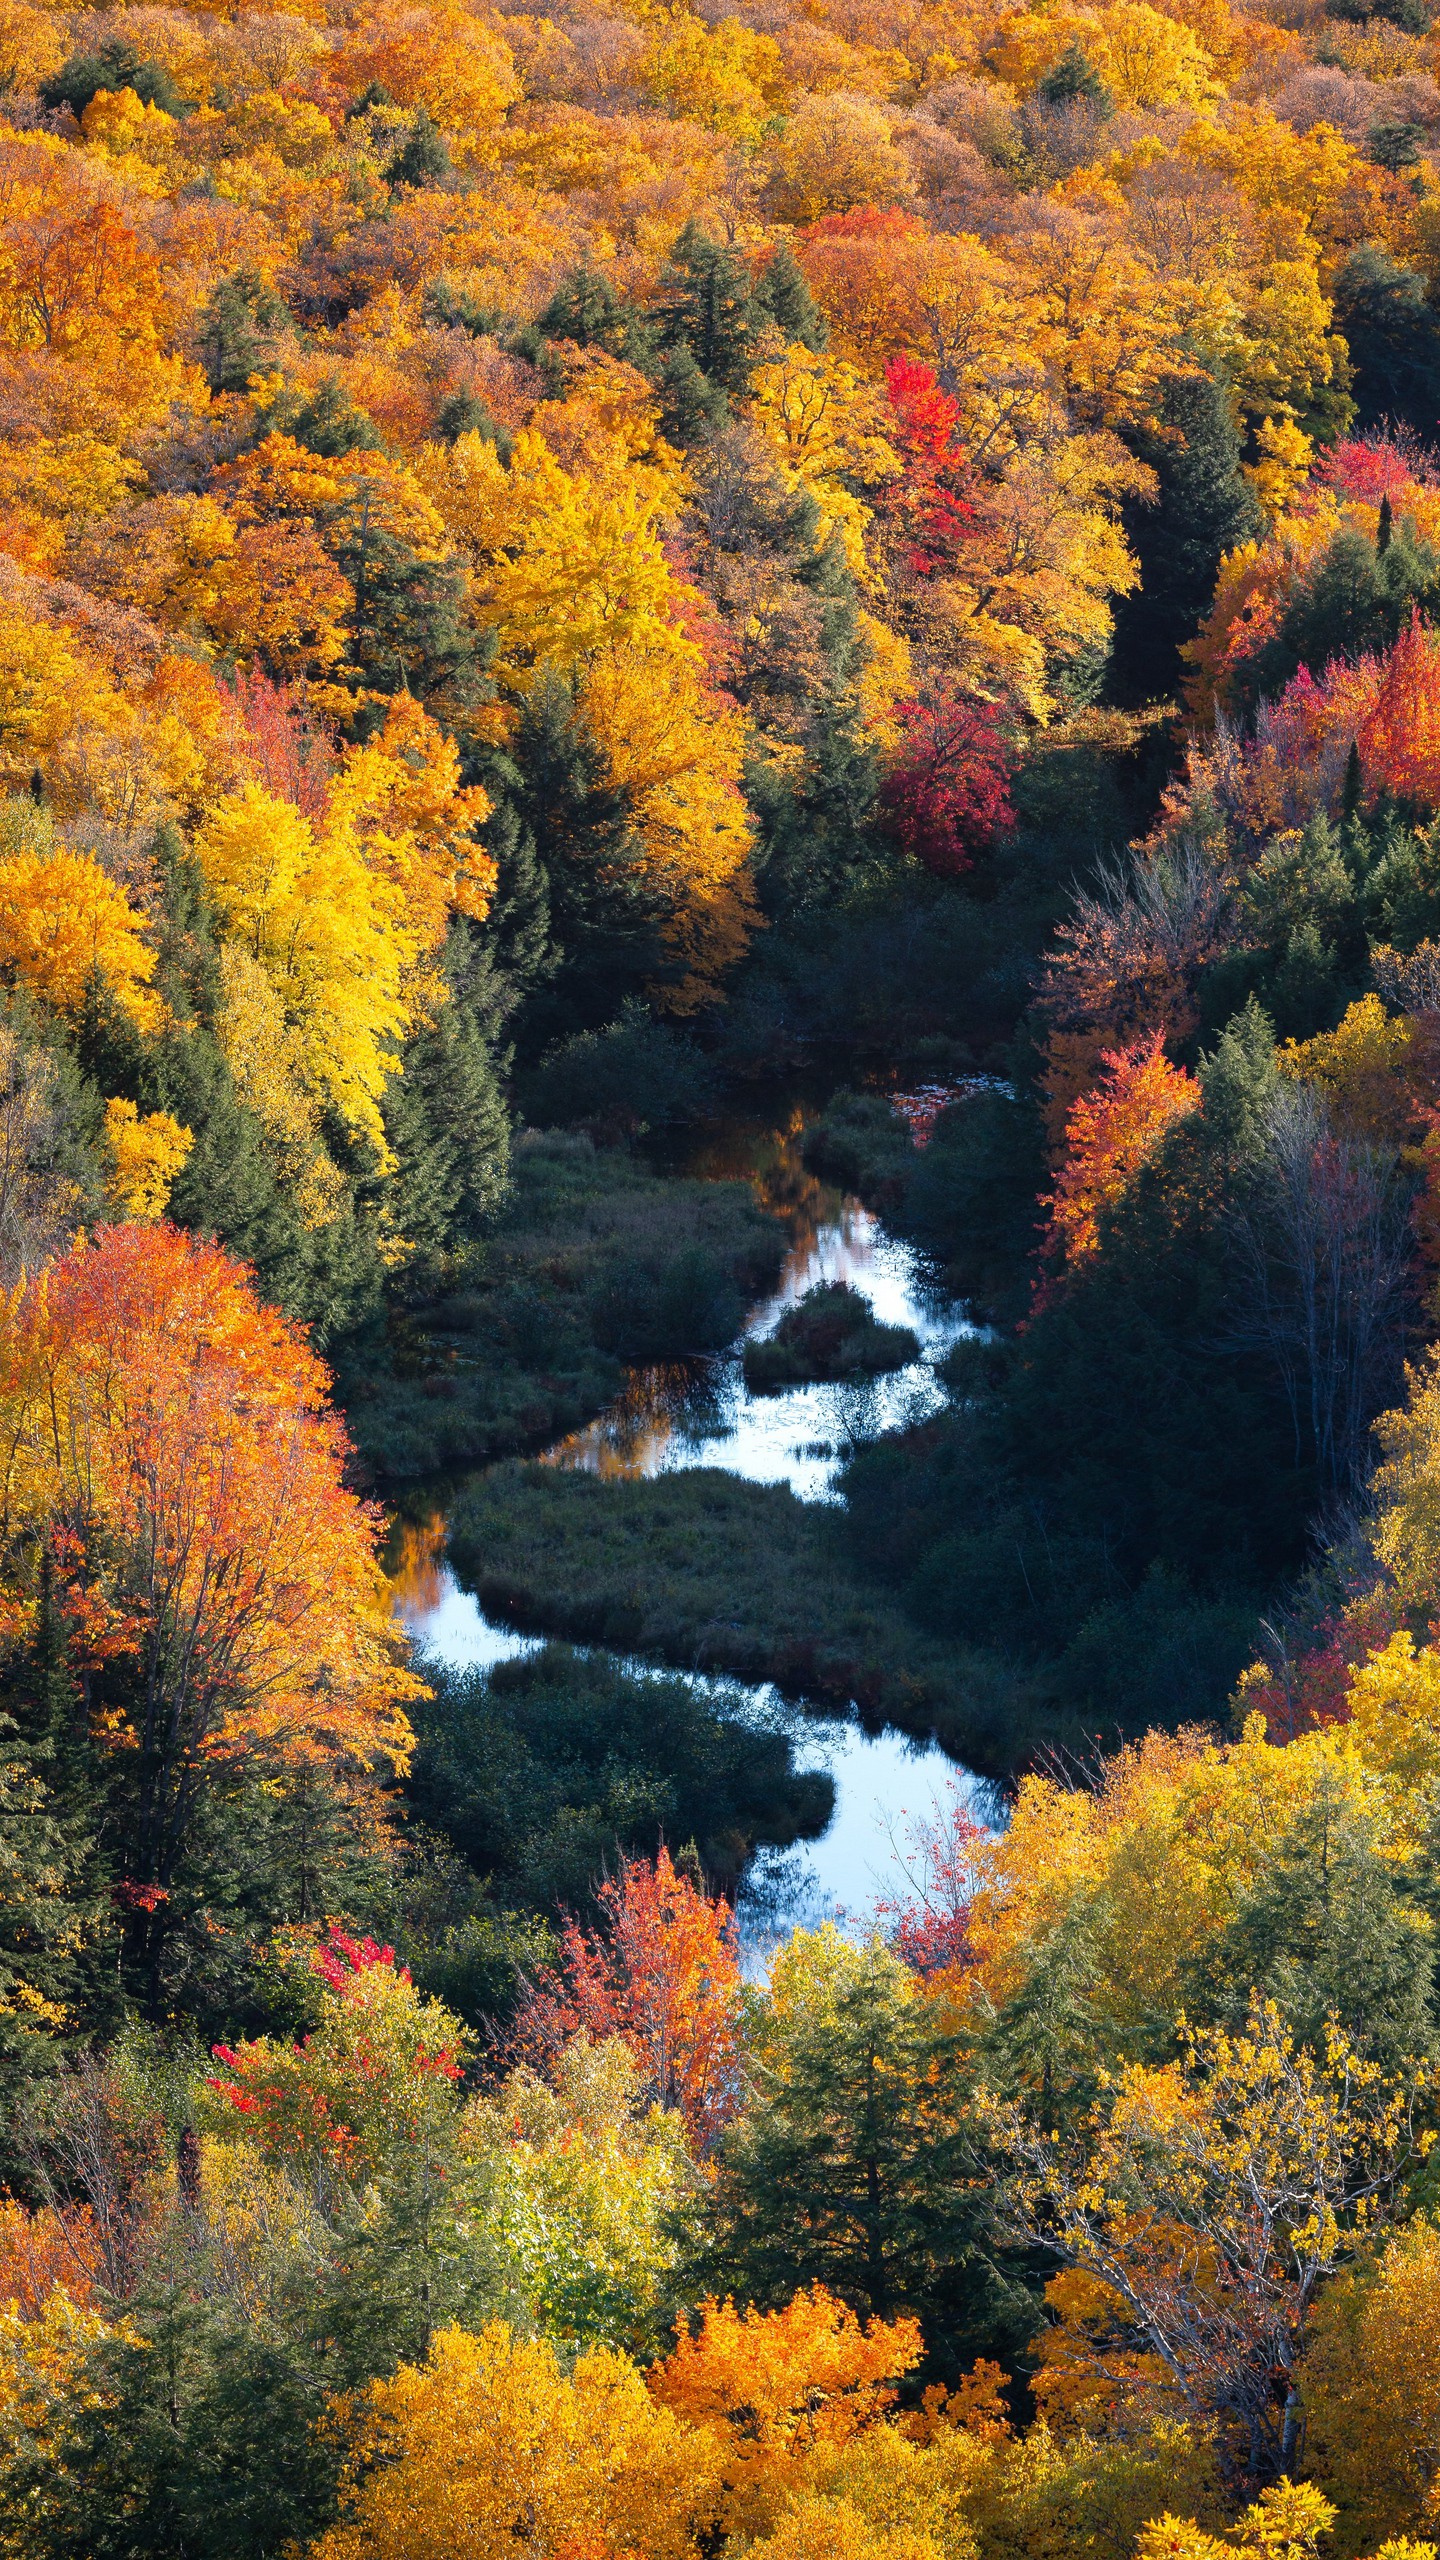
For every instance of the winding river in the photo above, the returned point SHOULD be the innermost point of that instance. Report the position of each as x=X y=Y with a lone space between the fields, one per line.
x=701 y=1414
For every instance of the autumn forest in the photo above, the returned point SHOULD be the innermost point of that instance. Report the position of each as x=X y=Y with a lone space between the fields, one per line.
x=720 y=1025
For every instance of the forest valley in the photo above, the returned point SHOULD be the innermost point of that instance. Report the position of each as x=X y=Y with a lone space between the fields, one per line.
x=563 y=575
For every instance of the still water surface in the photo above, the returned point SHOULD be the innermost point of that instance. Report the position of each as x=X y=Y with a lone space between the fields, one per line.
x=701 y=1414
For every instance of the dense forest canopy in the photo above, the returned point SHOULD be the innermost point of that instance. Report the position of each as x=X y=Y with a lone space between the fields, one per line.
x=563 y=576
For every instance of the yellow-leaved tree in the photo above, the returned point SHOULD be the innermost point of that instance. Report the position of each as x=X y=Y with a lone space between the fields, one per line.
x=569 y=570
x=65 y=925
x=1371 y=2384
x=490 y=2448
x=146 y=1153
x=330 y=933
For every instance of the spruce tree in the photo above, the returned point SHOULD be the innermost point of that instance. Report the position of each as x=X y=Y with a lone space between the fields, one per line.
x=238 y=328
x=605 y=908
x=410 y=632
x=328 y=423
x=852 y=2166
x=706 y=306
x=1203 y=508
x=423 y=159
x=446 y=1119
x=587 y=310
x=784 y=297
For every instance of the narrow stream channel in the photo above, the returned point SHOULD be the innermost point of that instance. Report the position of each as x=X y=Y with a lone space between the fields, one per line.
x=701 y=1414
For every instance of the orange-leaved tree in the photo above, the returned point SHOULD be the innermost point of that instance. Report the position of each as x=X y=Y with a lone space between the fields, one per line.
x=1108 y=1135
x=177 y=1432
x=662 y=1973
x=774 y=2388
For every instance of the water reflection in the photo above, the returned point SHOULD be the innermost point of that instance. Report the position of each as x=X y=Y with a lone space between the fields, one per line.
x=882 y=1781
x=701 y=1414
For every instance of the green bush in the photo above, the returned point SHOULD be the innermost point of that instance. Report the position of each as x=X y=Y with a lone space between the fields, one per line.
x=830 y=1335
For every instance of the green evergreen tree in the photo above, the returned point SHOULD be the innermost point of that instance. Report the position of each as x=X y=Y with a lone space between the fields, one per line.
x=53 y=1909
x=1073 y=78
x=410 y=632
x=199 y=2440
x=794 y=674
x=603 y=909
x=328 y=423
x=1393 y=336
x=1204 y=508
x=446 y=307
x=446 y=1119
x=707 y=307
x=238 y=327
x=228 y=1187
x=1357 y=598
x=117 y=65
x=587 y=310
x=692 y=407
x=423 y=159
x=1238 y=1080
x=463 y=415
x=783 y=295
x=852 y=2167
x=514 y=952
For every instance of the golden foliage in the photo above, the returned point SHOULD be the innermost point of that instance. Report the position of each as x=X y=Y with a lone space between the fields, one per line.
x=489 y=2440
x=146 y=1153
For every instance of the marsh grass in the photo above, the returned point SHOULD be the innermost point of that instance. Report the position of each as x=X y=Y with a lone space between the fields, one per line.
x=595 y=1260
x=829 y=1336
x=705 y=1571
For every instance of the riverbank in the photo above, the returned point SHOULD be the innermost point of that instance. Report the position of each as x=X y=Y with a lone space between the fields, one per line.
x=596 y=1261
x=706 y=1572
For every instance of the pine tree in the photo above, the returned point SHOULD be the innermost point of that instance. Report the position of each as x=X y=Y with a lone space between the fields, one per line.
x=1330 y=1930
x=1203 y=509
x=228 y=1187
x=514 y=952
x=463 y=415
x=784 y=295
x=706 y=306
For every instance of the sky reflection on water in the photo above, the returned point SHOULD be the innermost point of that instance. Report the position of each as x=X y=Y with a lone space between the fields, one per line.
x=701 y=1414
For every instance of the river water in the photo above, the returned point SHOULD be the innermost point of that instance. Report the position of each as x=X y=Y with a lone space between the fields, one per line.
x=701 y=1414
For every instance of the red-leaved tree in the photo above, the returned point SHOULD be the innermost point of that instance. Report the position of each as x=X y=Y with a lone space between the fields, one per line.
x=928 y=1921
x=662 y=1973
x=1109 y=1133
x=928 y=500
x=947 y=797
